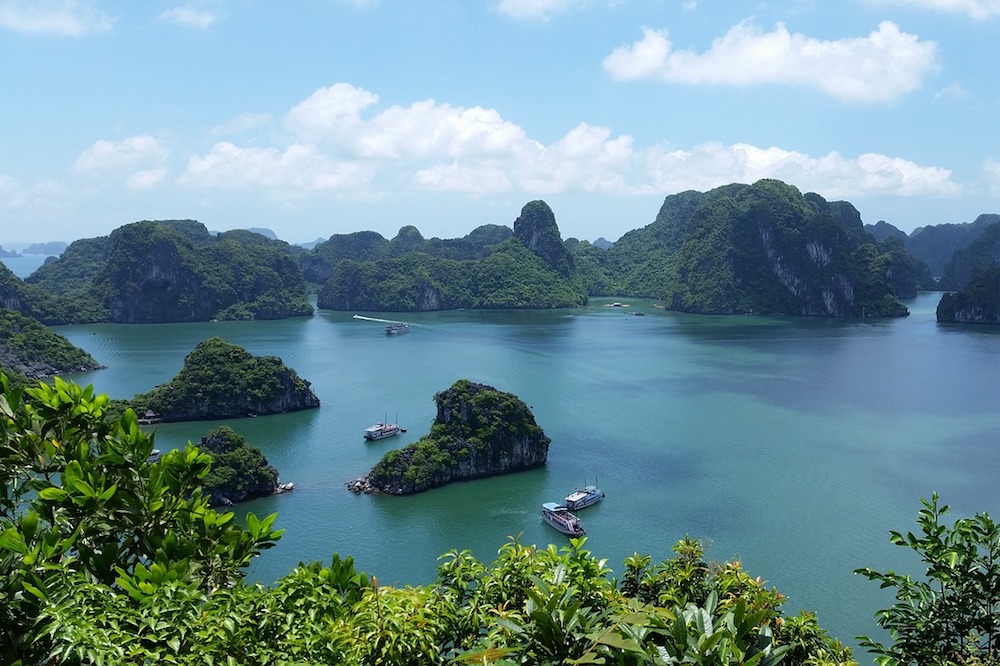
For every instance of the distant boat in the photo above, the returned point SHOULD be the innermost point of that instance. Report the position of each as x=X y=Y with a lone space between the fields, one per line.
x=581 y=498
x=397 y=328
x=560 y=518
x=154 y=456
x=382 y=430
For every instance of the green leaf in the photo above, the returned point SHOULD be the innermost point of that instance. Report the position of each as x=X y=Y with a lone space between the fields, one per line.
x=11 y=539
x=52 y=494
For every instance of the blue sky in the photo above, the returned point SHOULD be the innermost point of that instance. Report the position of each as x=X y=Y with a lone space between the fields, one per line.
x=316 y=117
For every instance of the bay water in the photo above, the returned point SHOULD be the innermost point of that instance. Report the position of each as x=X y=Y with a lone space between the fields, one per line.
x=791 y=444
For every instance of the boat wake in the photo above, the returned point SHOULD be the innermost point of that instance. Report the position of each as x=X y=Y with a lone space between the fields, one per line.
x=384 y=321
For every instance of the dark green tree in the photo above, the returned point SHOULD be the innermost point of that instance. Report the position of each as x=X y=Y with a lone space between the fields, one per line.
x=950 y=614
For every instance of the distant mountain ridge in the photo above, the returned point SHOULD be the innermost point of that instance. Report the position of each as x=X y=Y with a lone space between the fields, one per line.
x=764 y=248
x=169 y=270
x=936 y=245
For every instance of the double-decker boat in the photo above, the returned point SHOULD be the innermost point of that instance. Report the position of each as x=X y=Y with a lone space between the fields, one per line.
x=559 y=517
x=382 y=430
x=581 y=498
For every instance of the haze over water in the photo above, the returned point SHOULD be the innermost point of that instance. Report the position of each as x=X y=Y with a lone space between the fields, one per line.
x=794 y=445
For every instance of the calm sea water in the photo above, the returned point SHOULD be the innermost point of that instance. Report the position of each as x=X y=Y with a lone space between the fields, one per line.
x=794 y=445
x=24 y=265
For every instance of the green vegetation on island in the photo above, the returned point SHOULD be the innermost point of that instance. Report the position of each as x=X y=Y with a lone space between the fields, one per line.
x=980 y=255
x=222 y=380
x=978 y=303
x=30 y=351
x=492 y=269
x=166 y=271
x=479 y=431
x=763 y=248
x=107 y=558
x=239 y=471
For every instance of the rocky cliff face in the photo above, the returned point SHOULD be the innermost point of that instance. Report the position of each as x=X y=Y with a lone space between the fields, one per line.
x=979 y=255
x=536 y=228
x=978 y=303
x=221 y=380
x=763 y=248
x=478 y=432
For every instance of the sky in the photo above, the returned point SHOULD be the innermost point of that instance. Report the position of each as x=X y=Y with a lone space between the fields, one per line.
x=321 y=117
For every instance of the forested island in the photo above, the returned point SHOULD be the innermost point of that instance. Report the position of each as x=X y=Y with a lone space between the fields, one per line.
x=239 y=471
x=764 y=248
x=31 y=351
x=108 y=558
x=478 y=432
x=222 y=380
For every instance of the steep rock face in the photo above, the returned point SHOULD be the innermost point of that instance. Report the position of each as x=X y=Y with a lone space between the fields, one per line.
x=937 y=244
x=536 y=228
x=763 y=248
x=11 y=289
x=149 y=281
x=981 y=254
x=978 y=303
x=478 y=432
x=221 y=380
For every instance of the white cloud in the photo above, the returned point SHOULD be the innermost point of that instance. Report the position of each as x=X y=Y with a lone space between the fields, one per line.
x=298 y=168
x=832 y=175
x=877 y=68
x=443 y=148
x=129 y=153
x=977 y=9
x=329 y=109
x=534 y=10
x=189 y=17
x=426 y=129
x=68 y=18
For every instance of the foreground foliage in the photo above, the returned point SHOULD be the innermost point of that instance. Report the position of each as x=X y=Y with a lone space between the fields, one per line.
x=952 y=614
x=106 y=558
x=82 y=513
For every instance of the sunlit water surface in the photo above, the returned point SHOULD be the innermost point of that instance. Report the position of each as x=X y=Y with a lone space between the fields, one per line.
x=794 y=445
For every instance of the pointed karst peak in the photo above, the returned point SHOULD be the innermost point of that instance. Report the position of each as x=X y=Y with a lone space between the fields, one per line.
x=536 y=228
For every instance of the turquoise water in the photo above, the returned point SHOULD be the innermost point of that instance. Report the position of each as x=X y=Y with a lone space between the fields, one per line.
x=24 y=265
x=794 y=445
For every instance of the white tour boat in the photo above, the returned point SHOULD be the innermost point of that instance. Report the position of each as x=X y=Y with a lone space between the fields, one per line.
x=560 y=518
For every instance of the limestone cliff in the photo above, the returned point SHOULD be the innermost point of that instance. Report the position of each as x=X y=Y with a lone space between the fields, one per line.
x=536 y=228
x=221 y=380
x=978 y=303
x=479 y=431
x=763 y=248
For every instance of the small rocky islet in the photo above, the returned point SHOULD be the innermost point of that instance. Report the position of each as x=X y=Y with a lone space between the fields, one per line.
x=479 y=431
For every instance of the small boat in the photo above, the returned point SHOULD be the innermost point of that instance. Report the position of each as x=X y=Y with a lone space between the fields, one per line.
x=584 y=497
x=154 y=456
x=560 y=518
x=397 y=328
x=381 y=431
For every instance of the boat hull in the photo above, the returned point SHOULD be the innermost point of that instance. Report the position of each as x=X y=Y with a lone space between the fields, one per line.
x=381 y=431
x=562 y=520
x=581 y=499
